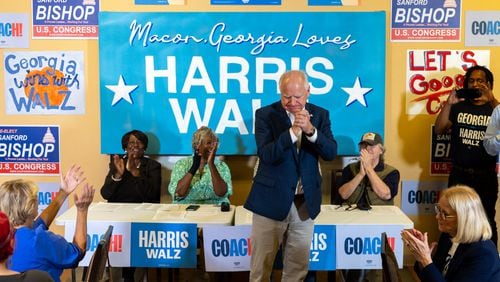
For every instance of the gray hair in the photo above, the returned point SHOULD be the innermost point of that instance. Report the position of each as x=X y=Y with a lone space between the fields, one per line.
x=285 y=78
x=201 y=134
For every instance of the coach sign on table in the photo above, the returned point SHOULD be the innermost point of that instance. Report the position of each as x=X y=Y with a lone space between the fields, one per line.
x=29 y=150
x=119 y=247
x=361 y=250
x=228 y=248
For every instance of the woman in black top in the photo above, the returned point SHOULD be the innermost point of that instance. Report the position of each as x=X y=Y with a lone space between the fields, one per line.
x=132 y=178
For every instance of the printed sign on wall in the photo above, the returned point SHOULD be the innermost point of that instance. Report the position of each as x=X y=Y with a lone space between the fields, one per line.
x=178 y=71
x=432 y=74
x=482 y=28
x=67 y=19
x=47 y=192
x=419 y=197
x=333 y=2
x=245 y=2
x=440 y=153
x=14 y=30
x=159 y=2
x=426 y=20
x=44 y=82
x=29 y=150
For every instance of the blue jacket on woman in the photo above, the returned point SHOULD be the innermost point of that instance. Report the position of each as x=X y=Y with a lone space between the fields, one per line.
x=478 y=261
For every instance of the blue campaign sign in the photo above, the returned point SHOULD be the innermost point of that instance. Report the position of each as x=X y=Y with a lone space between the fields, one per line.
x=29 y=149
x=75 y=19
x=426 y=20
x=323 y=250
x=169 y=73
x=163 y=245
x=245 y=2
x=158 y=2
x=324 y=2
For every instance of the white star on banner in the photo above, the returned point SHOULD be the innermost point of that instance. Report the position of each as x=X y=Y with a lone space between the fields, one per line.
x=356 y=93
x=121 y=91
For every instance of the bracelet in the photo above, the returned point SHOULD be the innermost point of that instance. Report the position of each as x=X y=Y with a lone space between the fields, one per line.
x=178 y=198
x=116 y=179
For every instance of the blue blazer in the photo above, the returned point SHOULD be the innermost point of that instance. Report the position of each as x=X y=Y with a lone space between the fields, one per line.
x=280 y=166
x=476 y=261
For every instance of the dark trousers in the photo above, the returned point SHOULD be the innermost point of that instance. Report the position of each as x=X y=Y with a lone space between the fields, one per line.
x=128 y=274
x=485 y=182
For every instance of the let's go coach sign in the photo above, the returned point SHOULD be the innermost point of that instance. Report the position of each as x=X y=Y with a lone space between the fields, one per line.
x=169 y=73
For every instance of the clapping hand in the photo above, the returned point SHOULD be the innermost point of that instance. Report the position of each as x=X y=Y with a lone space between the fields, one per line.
x=417 y=243
x=365 y=161
x=302 y=122
x=72 y=179
x=212 y=152
x=83 y=201
x=119 y=164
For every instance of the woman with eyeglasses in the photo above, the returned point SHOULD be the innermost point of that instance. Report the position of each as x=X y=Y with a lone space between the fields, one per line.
x=7 y=249
x=132 y=178
x=464 y=251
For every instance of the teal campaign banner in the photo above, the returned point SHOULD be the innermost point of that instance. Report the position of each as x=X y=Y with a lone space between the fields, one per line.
x=163 y=245
x=169 y=73
x=323 y=250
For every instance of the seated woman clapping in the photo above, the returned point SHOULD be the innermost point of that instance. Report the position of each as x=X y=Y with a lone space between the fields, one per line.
x=202 y=178
x=464 y=251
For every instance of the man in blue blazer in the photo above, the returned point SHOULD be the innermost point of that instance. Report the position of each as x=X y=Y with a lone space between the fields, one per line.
x=285 y=197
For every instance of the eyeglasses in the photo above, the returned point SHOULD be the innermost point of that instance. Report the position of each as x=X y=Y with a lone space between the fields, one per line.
x=135 y=143
x=442 y=215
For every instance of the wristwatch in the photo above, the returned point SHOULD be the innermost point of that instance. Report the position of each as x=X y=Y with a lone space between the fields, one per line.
x=312 y=133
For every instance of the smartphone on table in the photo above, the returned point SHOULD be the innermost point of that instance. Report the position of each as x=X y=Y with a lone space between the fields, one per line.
x=192 y=207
